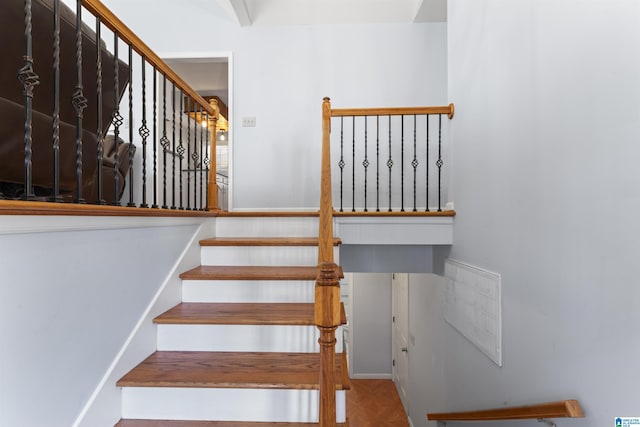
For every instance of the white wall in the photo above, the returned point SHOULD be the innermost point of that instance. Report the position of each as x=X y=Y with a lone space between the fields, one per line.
x=281 y=75
x=69 y=301
x=427 y=383
x=370 y=326
x=546 y=188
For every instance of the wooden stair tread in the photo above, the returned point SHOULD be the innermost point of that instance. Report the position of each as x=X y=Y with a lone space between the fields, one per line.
x=264 y=241
x=180 y=423
x=242 y=314
x=232 y=272
x=203 y=369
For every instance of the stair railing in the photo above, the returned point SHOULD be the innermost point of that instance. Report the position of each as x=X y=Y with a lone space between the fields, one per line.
x=112 y=96
x=542 y=412
x=391 y=159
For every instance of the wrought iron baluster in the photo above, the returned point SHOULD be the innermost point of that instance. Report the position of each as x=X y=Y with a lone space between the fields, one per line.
x=377 y=163
x=99 y=130
x=181 y=146
x=29 y=79
x=195 y=157
x=341 y=162
x=116 y=120
x=207 y=160
x=130 y=151
x=427 y=163
x=144 y=132
x=390 y=164
x=56 y=103
x=155 y=139
x=365 y=163
x=353 y=163
x=402 y=164
x=79 y=102
x=164 y=141
x=188 y=109
x=439 y=163
x=173 y=146
x=414 y=163
x=200 y=110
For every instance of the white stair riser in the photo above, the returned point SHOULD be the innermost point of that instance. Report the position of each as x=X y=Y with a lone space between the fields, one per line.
x=247 y=291
x=267 y=405
x=267 y=227
x=261 y=255
x=269 y=338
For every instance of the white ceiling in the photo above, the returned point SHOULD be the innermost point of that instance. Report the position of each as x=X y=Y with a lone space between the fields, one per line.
x=308 y=12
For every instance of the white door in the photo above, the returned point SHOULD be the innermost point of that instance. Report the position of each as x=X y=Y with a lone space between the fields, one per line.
x=400 y=332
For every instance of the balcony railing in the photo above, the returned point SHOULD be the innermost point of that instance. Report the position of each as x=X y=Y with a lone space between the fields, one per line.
x=390 y=159
x=96 y=117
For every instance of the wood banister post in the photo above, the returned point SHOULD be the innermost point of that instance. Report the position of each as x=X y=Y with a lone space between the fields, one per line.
x=327 y=291
x=327 y=318
x=213 y=183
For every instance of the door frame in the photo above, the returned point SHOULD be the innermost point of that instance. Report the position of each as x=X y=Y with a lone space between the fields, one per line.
x=204 y=57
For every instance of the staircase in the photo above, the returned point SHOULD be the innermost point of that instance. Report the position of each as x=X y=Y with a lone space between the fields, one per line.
x=241 y=349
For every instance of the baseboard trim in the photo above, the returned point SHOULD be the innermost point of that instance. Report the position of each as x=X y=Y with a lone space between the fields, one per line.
x=371 y=376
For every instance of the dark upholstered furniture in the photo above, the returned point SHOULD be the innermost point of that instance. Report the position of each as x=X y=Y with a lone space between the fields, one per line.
x=12 y=110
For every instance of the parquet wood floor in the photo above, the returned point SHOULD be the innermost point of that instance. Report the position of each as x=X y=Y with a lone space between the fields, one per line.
x=375 y=403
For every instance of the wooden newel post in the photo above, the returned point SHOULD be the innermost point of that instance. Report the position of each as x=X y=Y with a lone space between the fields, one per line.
x=327 y=318
x=213 y=183
x=327 y=291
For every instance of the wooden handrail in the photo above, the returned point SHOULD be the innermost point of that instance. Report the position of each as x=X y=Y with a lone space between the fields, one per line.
x=393 y=111
x=109 y=19
x=561 y=409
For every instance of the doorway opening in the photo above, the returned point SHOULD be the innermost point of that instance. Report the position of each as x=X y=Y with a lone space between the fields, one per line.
x=210 y=74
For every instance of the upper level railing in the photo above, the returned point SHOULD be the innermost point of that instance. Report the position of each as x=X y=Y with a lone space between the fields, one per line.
x=96 y=117
x=390 y=159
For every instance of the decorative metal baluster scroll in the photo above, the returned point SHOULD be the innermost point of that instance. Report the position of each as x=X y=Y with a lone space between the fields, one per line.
x=99 y=130
x=188 y=110
x=439 y=163
x=29 y=79
x=195 y=157
x=365 y=163
x=116 y=120
x=164 y=142
x=207 y=160
x=79 y=102
x=377 y=163
x=181 y=147
x=144 y=132
x=55 y=197
x=131 y=150
x=173 y=146
x=390 y=164
x=414 y=163
x=155 y=139
x=341 y=162
x=200 y=111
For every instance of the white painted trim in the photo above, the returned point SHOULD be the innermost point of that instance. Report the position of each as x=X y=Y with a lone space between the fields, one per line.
x=370 y=376
x=23 y=224
x=311 y=210
x=410 y=422
x=144 y=318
